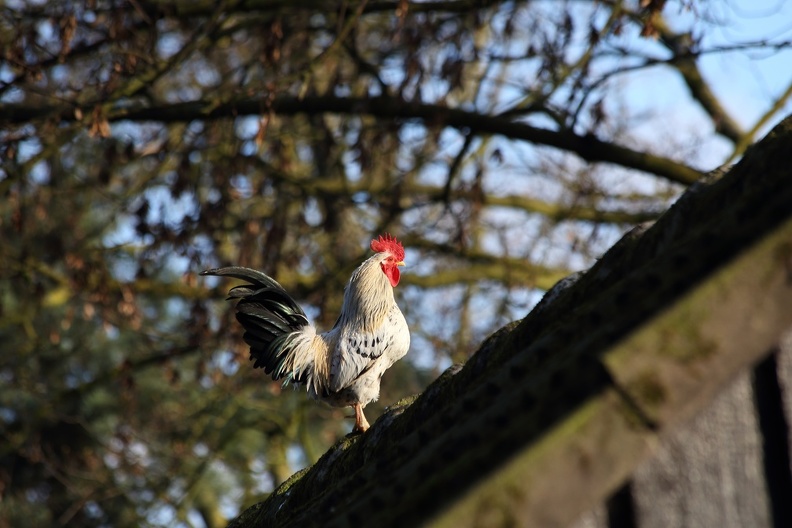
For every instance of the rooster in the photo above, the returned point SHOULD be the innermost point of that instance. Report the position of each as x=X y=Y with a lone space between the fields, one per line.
x=343 y=366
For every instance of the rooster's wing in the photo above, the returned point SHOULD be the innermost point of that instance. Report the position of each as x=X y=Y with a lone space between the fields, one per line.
x=356 y=351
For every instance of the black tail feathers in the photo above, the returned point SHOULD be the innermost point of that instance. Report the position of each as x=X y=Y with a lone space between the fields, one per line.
x=269 y=316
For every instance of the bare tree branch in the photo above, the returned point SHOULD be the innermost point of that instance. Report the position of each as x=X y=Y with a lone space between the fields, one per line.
x=587 y=147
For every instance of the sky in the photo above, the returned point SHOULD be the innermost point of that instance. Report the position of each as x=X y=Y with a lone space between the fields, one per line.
x=747 y=82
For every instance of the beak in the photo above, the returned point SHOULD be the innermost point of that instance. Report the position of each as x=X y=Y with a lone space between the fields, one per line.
x=401 y=263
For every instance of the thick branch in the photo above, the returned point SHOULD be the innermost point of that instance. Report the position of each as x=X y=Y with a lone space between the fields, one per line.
x=587 y=147
x=517 y=275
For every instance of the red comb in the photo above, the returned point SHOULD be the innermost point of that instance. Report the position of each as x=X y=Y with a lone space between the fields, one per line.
x=388 y=243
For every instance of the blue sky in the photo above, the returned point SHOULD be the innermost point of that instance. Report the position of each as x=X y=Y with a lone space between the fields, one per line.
x=747 y=82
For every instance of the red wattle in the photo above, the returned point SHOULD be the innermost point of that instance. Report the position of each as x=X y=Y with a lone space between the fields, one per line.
x=393 y=274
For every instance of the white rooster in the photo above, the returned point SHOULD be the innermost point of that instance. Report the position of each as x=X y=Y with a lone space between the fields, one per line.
x=343 y=366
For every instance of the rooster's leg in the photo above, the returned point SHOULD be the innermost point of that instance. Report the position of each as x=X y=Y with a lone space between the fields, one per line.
x=361 y=424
